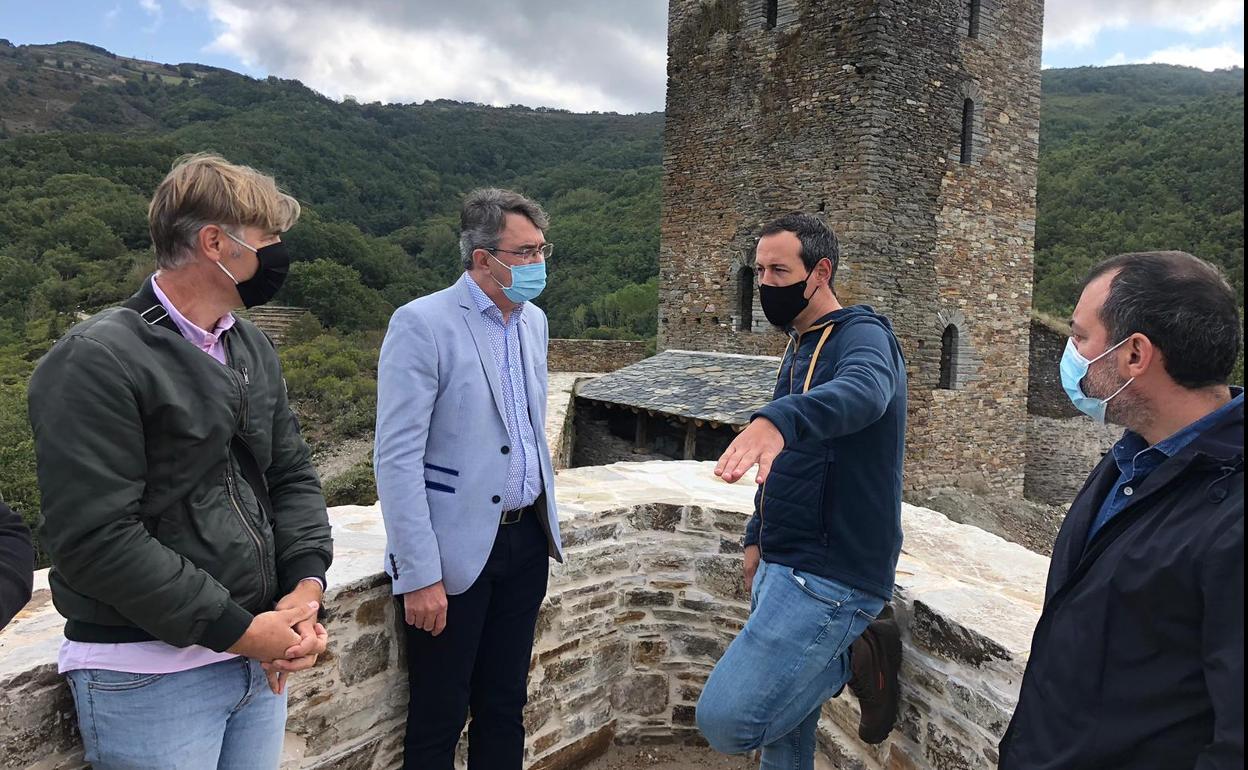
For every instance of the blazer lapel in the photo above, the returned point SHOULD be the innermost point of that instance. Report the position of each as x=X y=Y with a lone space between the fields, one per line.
x=528 y=352
x=481 y=337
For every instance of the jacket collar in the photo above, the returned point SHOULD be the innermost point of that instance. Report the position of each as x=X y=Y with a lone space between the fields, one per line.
x=1218 y=450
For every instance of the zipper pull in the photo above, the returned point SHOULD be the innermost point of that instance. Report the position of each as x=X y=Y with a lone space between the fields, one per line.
x=246 y=379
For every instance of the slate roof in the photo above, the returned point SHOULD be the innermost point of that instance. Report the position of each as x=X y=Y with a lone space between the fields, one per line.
x=715 y=387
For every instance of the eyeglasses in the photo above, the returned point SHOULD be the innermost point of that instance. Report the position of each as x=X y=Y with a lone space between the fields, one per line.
x=545 y=250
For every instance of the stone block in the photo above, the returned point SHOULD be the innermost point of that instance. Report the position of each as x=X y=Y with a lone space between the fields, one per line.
x=365 y=657
x=642 y=598
x=581 y=536
x=693 y=645
x=684 y=715
x=939 y=635
x=374 y=611
x=578 y=753
x=566 y=668
x=640 y=694
x=721 y=576
x=358 y=757
x=946 y=751
x=661 y=517
x=647 y=652
x=978 y=709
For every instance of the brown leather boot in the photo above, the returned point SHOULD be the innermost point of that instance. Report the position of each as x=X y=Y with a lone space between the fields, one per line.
x=875 y=659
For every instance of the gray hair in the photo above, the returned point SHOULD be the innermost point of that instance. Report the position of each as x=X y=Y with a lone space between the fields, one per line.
x=484 y=215
x=183 y=234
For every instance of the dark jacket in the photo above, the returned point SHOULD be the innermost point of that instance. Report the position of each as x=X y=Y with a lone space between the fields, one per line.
x=1138 y=659
x=152 y=530
x=831 y=504
x=17 y=564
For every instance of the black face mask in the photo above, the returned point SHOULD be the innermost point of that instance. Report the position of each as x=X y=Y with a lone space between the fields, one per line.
x=269 y=277
x=781 y=304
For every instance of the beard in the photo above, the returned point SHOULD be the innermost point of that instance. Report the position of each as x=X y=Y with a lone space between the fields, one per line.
x=1127 y=408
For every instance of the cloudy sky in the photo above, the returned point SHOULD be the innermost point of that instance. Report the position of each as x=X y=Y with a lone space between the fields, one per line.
x=606 y=55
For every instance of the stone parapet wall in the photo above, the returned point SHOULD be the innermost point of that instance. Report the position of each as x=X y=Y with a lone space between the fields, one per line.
x=593 y=355
x=1061 y=452
x=647 y=601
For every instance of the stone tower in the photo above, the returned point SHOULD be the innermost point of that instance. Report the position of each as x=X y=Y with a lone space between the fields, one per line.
x=913 y=126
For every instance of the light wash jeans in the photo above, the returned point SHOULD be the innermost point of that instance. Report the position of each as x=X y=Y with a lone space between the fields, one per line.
x=791 y=657
x=218 y=716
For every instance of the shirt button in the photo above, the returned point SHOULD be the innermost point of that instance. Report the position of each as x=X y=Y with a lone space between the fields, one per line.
x=1128 y=491
x=496 y=499
x=505 y=449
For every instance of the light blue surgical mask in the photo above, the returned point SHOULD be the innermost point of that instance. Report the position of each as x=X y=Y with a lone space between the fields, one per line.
x=1074 y=368
x=527 y=281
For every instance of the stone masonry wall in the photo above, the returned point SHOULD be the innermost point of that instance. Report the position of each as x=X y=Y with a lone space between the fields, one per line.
x=854 y=109
x=649 y=597
x=593 y=355
x=1045 y=395
x=1061 y=452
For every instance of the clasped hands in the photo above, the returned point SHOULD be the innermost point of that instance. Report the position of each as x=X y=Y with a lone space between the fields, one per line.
x=287 y=638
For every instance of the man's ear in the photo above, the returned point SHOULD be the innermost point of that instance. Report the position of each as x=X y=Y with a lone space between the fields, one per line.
x=211 y=240
x=1142 y=355
x=824 y=271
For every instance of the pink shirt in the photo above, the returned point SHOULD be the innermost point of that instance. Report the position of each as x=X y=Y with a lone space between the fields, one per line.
x=154 y=657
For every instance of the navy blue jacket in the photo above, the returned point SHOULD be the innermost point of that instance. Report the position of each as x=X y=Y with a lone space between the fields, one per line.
x=831 y=504
x=1138 y=658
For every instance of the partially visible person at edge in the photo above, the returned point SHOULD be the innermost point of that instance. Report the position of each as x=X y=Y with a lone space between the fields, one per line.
x=467 y=486
x=17 y=564
x=821 y=549
x=185 y=522
x=1138 y=658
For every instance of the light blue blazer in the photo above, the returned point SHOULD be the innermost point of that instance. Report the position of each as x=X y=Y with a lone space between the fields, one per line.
x=439 y=453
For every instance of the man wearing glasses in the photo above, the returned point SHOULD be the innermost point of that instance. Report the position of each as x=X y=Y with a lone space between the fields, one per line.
x=467 y=485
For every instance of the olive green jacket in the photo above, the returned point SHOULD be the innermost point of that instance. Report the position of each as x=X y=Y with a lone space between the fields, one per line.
x=152 y=529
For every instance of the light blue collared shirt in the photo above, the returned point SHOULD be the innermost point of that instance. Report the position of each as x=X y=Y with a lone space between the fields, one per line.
x=524 y=476
x=1136 y=459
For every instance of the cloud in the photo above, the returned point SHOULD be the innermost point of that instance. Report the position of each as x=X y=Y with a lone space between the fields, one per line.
x=603 y=56
x=1077 y=23
x=1210 y=58
x=153 y=9
x=110 y=16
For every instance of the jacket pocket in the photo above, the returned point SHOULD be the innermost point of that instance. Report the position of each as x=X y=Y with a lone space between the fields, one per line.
x=795 y=492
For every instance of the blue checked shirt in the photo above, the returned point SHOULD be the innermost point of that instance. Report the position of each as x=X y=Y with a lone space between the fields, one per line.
x=524 y=475
x=1136 y=459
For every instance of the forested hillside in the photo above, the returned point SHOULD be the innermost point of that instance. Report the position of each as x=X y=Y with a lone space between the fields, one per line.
x=1136 y=158
x=1131 y=158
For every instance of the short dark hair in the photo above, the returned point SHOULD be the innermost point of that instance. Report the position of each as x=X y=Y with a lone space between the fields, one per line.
x=1182 y=304
x=818 y=240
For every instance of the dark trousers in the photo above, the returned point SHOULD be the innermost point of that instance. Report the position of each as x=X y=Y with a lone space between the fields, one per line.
x=480 y=661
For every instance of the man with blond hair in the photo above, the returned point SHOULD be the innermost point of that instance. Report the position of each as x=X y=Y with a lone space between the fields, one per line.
x=185 y=522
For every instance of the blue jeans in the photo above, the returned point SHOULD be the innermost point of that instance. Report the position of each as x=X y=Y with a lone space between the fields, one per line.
x=791 y=657
x=218 y=716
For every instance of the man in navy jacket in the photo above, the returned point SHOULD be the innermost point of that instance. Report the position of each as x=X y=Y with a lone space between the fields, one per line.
x=1138 y=658
x=821 y=549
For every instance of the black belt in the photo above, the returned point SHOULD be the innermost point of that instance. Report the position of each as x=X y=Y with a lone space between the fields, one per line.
x=513 y=517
